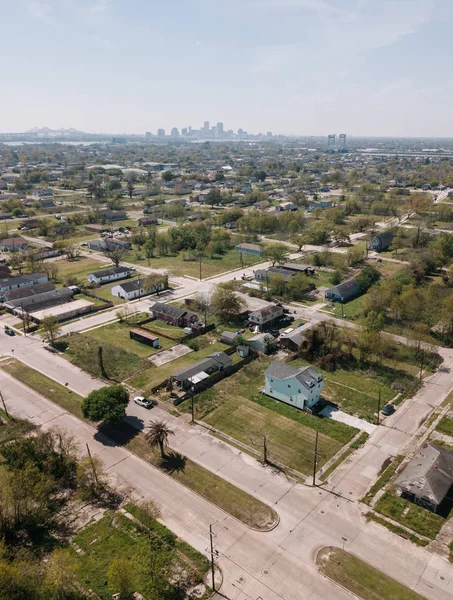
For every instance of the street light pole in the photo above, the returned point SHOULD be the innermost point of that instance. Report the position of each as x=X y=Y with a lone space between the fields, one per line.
x=379 y=406
x=211 y=536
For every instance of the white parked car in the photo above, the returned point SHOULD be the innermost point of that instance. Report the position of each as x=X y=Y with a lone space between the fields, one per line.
x=142 y=401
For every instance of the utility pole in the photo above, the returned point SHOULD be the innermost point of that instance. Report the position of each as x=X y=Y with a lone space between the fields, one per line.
x=264 y=448
x=242 y=260
x=193 y=410
x=211 y=536
x=342 y=310
x=4 y=405
x=92 y=466
x=421 y=364
x=379 y=406
x=315 y=458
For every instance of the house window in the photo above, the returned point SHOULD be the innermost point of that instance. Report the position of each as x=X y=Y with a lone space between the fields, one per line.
x=272 y=381
x=291 y=399
x=289 y=385
x=299 y=391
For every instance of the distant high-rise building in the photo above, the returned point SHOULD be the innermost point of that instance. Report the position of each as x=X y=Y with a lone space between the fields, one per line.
x=331 y=142
x=269 y=134
x=206 y=126
x=161 y=133
x=174 y=132
x=148 y=135
x=219 y=130
x=184 y=131
x=342 y=142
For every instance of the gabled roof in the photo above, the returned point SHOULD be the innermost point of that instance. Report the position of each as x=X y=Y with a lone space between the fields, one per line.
x=167 y=309
x=307 y=376
x=32 y=290
x=429 y=474
x=18 y=279
x=267 y=310
x=350 y=286
x=14 y=241
x=112 y=271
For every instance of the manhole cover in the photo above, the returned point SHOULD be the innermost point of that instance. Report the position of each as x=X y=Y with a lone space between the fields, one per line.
x=265 y=572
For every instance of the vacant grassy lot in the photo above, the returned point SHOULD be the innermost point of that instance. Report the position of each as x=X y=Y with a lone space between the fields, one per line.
x=118 y=333
x=43 y=385
x=420 y=520
x=160 y=327
x=215 y=489
x=235 y=407
x=176 y=264
x=355 y=391
x=119 y=363
x=360 y=578
x=80 y=268
x=115 y=536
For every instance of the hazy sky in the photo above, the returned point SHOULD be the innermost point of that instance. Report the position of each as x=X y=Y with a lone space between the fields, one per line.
x=364 y=67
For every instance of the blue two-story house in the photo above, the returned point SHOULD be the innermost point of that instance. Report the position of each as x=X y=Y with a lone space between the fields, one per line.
x=299 y=387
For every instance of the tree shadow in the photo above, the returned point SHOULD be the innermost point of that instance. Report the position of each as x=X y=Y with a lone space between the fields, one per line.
x=121 y=433
x=173 y=462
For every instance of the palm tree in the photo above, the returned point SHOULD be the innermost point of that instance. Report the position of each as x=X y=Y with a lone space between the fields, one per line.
x=157 y=434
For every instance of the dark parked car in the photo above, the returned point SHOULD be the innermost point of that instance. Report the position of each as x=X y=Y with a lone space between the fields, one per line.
x=10 y=332
x=388 y=409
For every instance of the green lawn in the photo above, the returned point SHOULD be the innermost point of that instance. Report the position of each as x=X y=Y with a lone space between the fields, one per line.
x=417 y=518
x=160 y=327
x=80 y=268
x=235 y=407
x=361 y=400
x=119 y=334
x=361 y=579
x=119 y=363
x=445 y=425
x=226 y=496
x=210 y=266
x=114 y=537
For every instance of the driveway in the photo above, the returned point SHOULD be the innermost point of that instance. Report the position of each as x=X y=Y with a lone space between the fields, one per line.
x=338 y=415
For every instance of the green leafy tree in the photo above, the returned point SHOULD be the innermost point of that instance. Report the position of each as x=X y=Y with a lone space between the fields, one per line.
x=276 y=253
x=122 y=578
x=49 y=329
x=374 y=322
x=108 y=404
x=226 y=304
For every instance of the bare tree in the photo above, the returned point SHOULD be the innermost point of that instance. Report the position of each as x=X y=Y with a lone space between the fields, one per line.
x=115 y=253
x=203 y=305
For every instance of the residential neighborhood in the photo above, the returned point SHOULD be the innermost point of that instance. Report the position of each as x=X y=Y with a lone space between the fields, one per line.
x=283 y=323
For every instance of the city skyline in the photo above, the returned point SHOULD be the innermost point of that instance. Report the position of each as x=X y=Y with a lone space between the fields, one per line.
x=296 y=67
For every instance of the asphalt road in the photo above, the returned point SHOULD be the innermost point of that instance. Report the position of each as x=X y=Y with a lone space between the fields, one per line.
x=272 y=565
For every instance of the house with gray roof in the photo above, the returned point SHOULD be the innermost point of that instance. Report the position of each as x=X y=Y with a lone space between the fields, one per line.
x=189 y=378
x=300 y=387
x=427 y=479
x=107 y=275
x=266 y=315
x=348 y=290
x=173 y=315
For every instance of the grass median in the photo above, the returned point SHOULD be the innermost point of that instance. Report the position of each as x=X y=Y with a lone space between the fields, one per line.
x=361 y=579
x=239 y=504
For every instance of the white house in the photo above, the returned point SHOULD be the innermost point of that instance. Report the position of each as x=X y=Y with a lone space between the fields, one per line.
x=265 y=315
x=299 y=387
x=109 y=275
x=130 y=290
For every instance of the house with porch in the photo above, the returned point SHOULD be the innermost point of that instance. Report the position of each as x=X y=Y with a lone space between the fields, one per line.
x=173 y=315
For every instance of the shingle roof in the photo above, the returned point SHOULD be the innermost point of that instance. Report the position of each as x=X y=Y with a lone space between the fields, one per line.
x=304 y=375
x=112 y=271
x=167 y=309
x=17 y=279
x=43 y=300
x=347 y=286
x=267 y=310
x=32 y=290
x=213 y=360
x=429 y=474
